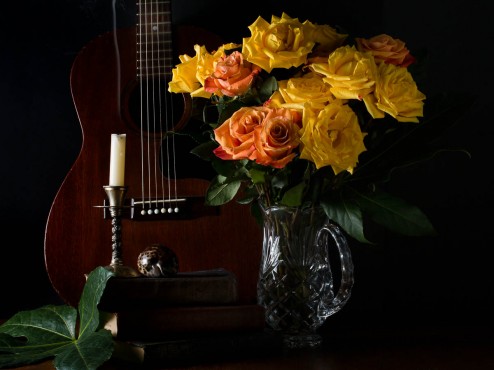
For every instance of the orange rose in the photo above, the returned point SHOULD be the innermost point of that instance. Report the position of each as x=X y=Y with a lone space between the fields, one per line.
x=386 y=49
x=235 y=135
x=232 y=75
x=277 y=138
x=265 y=135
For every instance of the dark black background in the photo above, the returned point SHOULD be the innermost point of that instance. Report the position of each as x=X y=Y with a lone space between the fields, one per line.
x=403 y=280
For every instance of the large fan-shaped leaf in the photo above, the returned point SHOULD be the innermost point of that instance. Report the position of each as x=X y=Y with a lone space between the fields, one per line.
x=49 y=331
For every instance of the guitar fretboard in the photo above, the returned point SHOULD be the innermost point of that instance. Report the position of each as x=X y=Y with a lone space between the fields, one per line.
x=154 y=39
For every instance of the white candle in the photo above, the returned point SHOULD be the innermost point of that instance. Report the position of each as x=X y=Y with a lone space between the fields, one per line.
x=117 y=160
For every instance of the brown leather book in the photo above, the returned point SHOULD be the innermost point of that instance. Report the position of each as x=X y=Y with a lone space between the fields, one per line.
x=199 y=349
x=159 y=324
x=197 y=288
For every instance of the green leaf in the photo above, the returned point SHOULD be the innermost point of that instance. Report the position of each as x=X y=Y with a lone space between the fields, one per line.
x=231 y=169
x=293 y=196
x=227 y=107
x=44 y=325
x=89 y=352
x=348 y=216
x=91 y=295
x=257 y=176
x=49 y=331
x=205 y=150
x=395 y=214
x=268 y=87
x=221 y=191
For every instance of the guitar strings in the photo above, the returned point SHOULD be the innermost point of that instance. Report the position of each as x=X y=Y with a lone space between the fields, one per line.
x=157 y=29
x=162 y=55
x=140 y=73
x=150 y=25
x=162 y=69
x=152 y=32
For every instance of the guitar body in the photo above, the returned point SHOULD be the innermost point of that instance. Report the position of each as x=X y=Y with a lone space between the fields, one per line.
x=78 y=235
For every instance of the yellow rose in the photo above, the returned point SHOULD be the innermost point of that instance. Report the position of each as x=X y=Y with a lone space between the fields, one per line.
x=296 y=91
x=281 y=44
x=186 y=76
x=327 y=39
x=331 y=137
x=397 y=94
x=350 y=73
x=386 y=49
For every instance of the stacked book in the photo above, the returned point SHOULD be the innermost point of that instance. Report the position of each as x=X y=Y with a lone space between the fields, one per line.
x=190 y=317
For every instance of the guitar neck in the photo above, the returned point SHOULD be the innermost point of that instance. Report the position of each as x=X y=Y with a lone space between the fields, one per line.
x=154 y=39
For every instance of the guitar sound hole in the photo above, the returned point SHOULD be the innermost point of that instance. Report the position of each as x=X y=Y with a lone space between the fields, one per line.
x=151 y=104
x=163 y=112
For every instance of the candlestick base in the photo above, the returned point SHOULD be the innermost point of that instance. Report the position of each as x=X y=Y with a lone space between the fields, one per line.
x=116 y=196
x=122 y=271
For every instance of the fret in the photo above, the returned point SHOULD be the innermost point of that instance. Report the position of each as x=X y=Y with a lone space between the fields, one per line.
x=150 y=64
x=157 y=60
x=158 y=23
x=156 y=2
x=153 y=71
x=155 y=55
x=154 y=39
x=153 y=13
x=157 y=73
x=156 y=44
x=153 y=18
x=154 y=33
x=166 y=44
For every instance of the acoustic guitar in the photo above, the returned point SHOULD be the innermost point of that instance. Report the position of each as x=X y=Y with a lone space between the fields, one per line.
x=119 y=85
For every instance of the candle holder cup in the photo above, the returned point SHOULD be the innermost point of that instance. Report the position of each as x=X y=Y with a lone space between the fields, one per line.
x=116 y=197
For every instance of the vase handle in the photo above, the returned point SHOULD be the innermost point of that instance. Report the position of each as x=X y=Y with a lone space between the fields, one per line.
x=346 y=283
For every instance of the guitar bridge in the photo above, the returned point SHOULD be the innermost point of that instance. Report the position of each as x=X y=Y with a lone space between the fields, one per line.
x=163 y=209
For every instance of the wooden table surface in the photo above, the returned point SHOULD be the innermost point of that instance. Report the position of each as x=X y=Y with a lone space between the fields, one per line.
x=465 y=348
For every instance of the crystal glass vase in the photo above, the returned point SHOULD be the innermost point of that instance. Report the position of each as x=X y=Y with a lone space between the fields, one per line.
x=295 y=283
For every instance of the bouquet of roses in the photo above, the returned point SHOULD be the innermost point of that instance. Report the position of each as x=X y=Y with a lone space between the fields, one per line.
x=305 y=117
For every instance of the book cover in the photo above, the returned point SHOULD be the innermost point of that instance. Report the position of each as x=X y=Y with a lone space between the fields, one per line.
x=208 y=287
x=199 y=349
x=154 y=324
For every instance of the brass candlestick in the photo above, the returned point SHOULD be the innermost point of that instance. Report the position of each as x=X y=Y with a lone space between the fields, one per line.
x=116 y=196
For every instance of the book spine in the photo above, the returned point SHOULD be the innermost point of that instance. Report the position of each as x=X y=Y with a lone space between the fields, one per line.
x=205 y=349
x=155 y=324
x=215 y=287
